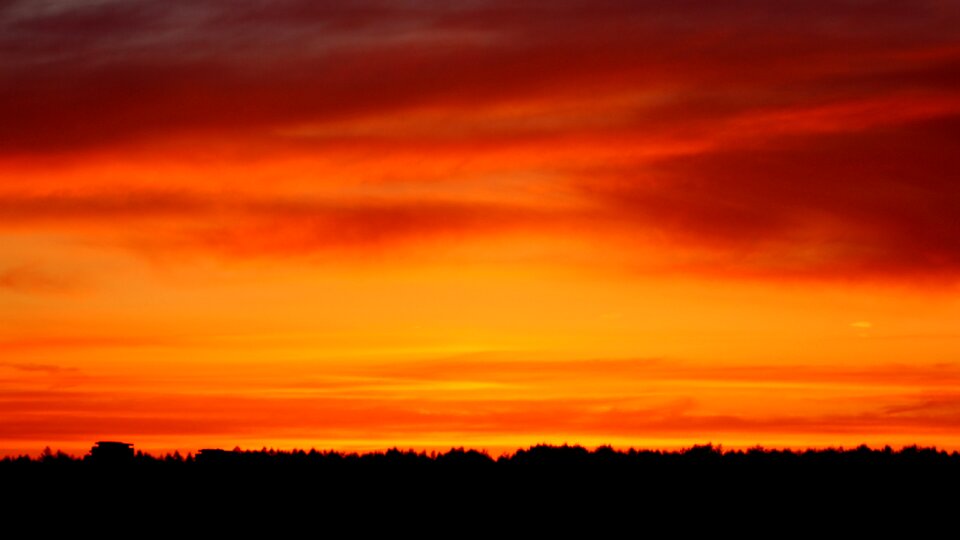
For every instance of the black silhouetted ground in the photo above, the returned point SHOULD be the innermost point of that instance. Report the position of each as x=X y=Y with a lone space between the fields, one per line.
x=558 y=484
x=541 y=463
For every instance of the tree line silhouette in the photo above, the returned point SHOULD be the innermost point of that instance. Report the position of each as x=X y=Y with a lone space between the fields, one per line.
x=707 y=456
x=551 y=482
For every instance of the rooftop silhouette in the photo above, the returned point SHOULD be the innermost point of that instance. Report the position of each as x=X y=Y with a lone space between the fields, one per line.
x=111 y=452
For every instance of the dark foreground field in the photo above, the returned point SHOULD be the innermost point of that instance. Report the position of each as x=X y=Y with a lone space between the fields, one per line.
x=557 y=484
x=541 y=465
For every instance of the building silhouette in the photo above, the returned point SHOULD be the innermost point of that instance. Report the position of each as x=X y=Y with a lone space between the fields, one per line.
x=111 y=452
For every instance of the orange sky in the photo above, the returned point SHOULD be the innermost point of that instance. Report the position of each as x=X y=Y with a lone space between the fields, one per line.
x=490 y=224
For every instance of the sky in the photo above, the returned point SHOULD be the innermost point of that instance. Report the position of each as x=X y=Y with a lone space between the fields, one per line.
x=371 y=224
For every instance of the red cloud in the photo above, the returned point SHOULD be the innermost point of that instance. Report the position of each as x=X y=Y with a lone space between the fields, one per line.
x=816 y=139
x=258 y=226
x=103 y=74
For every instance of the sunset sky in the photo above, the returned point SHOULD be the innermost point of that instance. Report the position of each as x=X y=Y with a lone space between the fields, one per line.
x=357 y=225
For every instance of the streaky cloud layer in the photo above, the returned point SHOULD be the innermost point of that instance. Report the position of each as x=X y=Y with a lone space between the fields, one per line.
x=226 y=197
